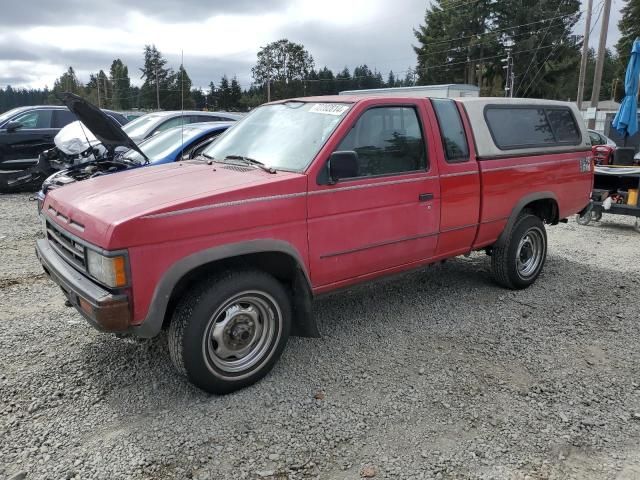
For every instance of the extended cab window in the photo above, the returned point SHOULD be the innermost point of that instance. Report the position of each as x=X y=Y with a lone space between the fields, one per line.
x=387 y=140
x=454 y=141
x=535 y=126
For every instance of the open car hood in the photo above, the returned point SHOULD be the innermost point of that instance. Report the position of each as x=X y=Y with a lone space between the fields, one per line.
x=101 y=126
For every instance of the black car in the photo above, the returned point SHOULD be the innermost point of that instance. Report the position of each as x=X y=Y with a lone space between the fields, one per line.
x=26 y=132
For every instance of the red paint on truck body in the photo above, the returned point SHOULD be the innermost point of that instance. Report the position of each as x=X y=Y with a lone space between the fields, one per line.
x=344 y=233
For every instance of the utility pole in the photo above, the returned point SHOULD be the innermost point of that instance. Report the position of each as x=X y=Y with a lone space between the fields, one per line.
x=585 y=54
x=98 y=85
x=602 y=48
x=157 y=87
x=106 y=94
x=268 y=82
x=510 y=76
x=268 y=88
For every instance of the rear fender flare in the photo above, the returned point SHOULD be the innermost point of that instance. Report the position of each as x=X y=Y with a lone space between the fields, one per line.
x=517 y=210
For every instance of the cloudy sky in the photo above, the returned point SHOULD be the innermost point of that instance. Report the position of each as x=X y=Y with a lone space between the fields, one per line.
x=40 y=38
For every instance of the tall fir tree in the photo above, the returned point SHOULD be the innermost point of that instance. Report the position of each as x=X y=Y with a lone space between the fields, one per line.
x=121 y=83
x=235 y=94
x=157 y=78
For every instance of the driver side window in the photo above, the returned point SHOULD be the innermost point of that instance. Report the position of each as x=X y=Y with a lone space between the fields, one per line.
x=388 y=140
x=34 y=119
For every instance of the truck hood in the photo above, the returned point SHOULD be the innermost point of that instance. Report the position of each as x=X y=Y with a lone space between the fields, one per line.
x=124 y=210
x=105 y=130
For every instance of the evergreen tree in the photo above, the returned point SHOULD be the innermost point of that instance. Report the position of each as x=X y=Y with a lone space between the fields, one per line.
x=465 y=44
x=99 y=90
x=199 y=98
x=157 y=78
x=235 y=94
x=178 y=94
x=452 y=40
x=344 y=80
x=629 y=26
x=68 y=82
x=211 y=99
x=224 y=94
x=121 y=84
x=544 y=53
x=326 y=84
x=391 y=80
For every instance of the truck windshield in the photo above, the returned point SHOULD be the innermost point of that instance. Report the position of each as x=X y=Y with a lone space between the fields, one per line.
x=282 y=136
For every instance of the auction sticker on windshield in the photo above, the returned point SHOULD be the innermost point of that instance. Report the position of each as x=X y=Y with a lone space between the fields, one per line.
x=336 y=109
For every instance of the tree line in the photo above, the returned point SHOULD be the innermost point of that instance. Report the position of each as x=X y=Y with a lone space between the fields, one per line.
x=460 y=41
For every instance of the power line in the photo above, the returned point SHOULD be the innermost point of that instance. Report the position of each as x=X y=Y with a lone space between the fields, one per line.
x=533 y=58
x=510 y=28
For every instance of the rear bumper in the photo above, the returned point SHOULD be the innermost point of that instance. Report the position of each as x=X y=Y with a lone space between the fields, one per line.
x=104 y=310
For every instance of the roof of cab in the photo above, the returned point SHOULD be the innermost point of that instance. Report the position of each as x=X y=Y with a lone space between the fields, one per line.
x=475 y=108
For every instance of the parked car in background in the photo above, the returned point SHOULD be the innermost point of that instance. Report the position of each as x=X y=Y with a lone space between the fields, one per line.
x=598 y=138
x=153 y=123
x=133 y=115
x=26 y=132
x=305 y=197
x=177 y=143
x=96 y=147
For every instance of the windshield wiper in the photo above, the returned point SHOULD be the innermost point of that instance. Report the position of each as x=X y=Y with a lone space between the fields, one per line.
x=251 y=161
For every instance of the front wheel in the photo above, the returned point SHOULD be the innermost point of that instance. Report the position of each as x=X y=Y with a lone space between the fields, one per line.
x=518 y=262
x=230 y=330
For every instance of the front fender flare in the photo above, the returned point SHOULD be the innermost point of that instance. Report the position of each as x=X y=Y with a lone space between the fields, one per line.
x=152 y=324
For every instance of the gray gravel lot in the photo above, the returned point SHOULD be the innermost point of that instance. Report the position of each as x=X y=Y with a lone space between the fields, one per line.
x=438 y=374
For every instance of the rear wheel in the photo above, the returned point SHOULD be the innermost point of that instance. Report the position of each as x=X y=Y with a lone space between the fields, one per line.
x=518 y=262
x=229 y=332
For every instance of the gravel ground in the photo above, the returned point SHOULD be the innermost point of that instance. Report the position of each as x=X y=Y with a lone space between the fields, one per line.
x=439 y=374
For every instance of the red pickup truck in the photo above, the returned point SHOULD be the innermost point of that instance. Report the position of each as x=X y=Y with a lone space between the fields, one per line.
x=304 y=197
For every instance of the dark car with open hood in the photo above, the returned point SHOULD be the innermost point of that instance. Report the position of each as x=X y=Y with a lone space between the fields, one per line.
x=25 y=133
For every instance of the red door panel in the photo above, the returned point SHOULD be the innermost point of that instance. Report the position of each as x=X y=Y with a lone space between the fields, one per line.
x=371 y=226
x=376 y=222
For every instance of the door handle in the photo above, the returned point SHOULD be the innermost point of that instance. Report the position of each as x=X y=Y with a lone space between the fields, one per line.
x=425 y=197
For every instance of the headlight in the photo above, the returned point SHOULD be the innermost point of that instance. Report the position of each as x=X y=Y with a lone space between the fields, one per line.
x=111 y=271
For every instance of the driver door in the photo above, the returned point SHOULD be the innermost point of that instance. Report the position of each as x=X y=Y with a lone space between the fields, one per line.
x=387 y=218
x=22 y=147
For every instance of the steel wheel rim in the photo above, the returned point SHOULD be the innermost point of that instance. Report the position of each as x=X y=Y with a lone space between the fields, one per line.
x=530 y=253
x=240 y=333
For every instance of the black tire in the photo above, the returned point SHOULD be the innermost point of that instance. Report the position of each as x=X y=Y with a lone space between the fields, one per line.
x=518 y=262
x=585 y=219
x=229 y=313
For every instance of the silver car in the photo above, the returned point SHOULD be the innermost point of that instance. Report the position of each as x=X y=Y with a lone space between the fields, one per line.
x=152 y=123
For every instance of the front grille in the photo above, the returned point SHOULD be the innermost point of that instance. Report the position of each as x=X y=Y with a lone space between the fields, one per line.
x=69 y=249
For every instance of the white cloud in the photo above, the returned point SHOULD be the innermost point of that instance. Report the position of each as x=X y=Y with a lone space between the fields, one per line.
x=336 y=32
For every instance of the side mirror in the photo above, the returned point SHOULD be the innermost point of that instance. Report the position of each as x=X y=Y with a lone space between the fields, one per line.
x=12 y=126
x=343 y=165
